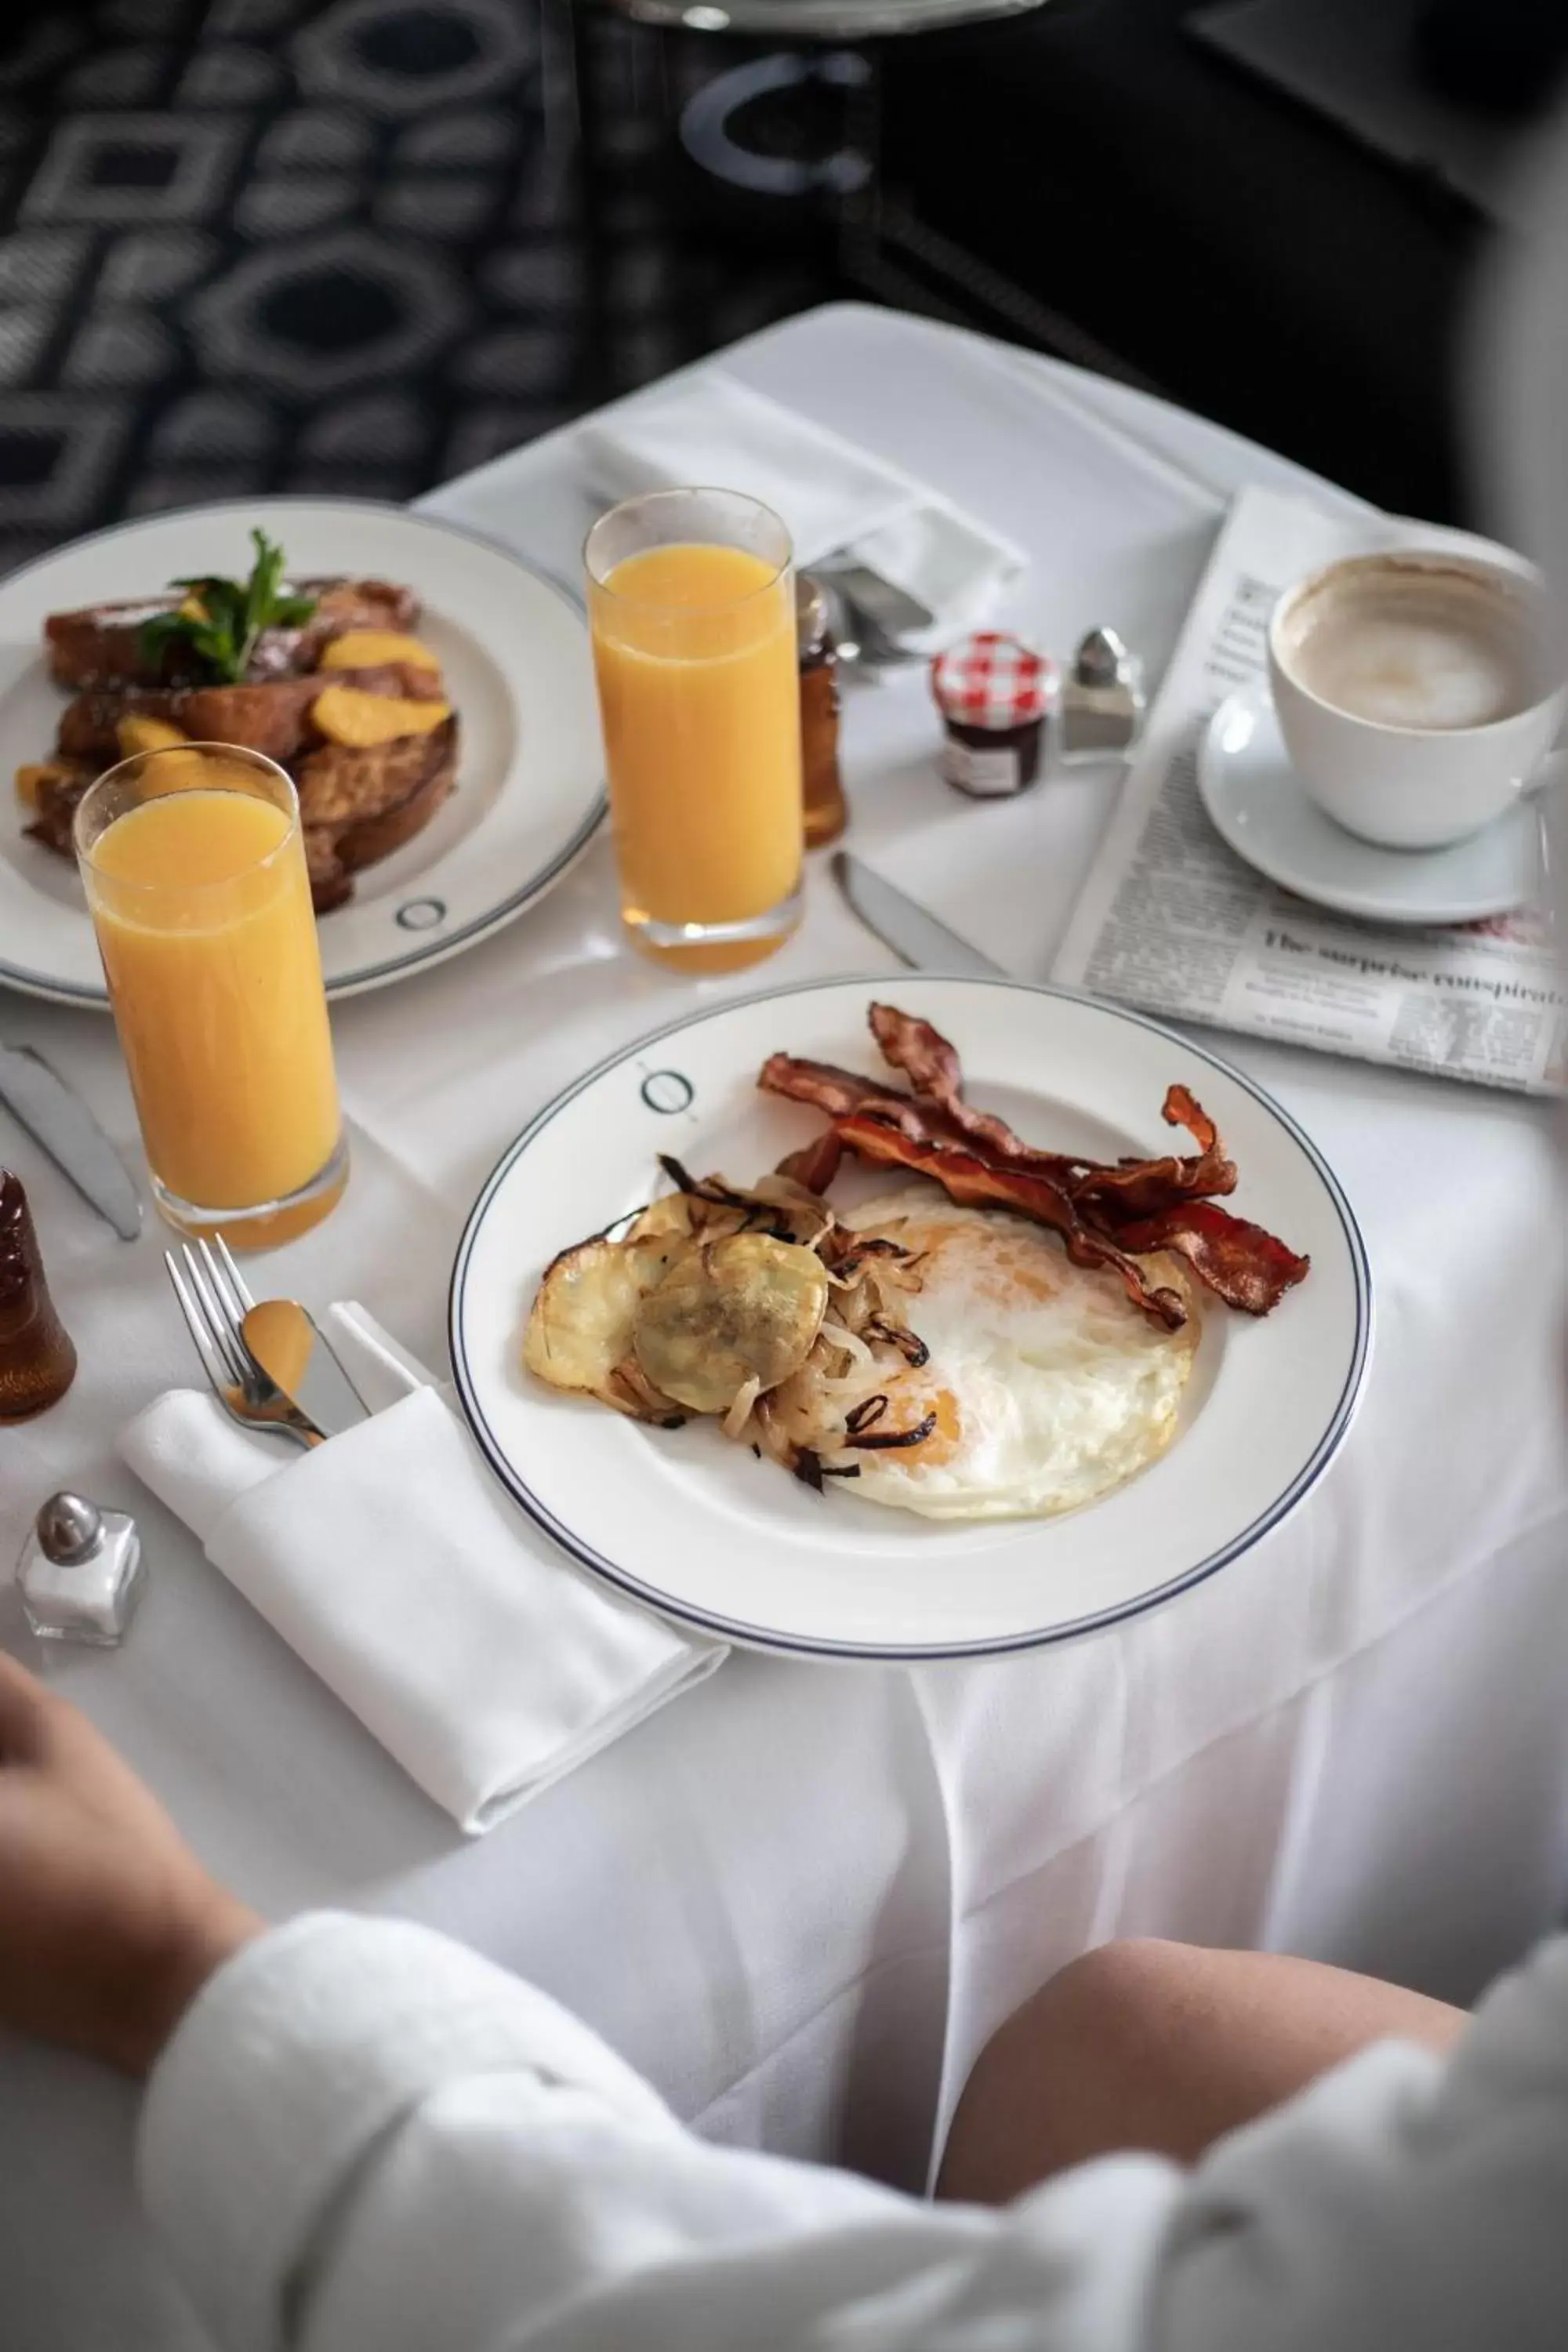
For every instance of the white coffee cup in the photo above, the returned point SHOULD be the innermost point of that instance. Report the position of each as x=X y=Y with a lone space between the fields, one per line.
x=1418 y=693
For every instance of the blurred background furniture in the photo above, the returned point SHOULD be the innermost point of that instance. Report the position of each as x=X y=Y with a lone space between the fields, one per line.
x=1252 y=253
x=1269 y=209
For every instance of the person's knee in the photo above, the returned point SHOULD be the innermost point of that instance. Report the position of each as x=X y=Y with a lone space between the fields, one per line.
x=1165 y=2047
x=1133 y=1989
x=1134 y=1973
x=1101 y=2017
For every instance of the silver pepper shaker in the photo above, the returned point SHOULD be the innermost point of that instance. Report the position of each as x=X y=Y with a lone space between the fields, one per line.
x=80 y=1572
x=1101 y=706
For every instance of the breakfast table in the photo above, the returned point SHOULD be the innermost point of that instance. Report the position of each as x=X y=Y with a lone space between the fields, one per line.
x=800 y=1897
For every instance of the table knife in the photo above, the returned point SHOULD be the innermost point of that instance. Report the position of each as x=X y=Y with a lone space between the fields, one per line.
x=60 y=1123
x=903 y=923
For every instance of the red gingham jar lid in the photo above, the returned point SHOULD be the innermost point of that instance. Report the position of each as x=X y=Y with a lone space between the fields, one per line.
x=992 y=680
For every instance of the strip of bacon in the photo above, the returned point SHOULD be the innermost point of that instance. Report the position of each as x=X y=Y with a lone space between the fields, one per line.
x=971 y=1181
x=827 y=1087
x=839 y=1092
x=1247 y=1268
x=1142 y=1188
x=1181 y=1109
x=922 y=1054
x=920 y=1117
x=816 y=1164
x=1107 y=1214
x=932 y=1066
x=1138 y=1188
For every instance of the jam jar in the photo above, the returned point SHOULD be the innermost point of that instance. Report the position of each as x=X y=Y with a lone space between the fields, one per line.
x=993 y=693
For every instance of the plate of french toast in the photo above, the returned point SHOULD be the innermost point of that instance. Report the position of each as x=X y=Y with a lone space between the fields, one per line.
x=431 y=698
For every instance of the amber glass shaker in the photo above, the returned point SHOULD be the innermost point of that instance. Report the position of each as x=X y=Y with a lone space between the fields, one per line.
x=37 y=1362
x=826 y=814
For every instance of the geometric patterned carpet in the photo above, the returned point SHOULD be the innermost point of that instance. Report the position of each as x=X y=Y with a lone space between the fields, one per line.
x=272 y=245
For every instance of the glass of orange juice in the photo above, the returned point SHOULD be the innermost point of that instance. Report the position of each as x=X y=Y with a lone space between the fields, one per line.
x=692 y=600
x=194 y=872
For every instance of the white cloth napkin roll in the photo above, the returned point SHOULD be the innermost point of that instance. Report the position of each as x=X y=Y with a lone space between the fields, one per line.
x=712 y=429
x=391 y=1562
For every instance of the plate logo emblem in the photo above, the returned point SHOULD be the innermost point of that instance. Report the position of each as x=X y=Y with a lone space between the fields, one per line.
x=421 y=914
x=668 y=1091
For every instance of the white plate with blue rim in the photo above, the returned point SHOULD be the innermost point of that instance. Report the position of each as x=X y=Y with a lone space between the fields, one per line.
x=515 y=654
x=1262 y=810
x=699 y=1530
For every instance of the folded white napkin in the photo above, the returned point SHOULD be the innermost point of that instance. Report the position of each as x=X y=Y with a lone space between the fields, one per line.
x=391 y=1562
x=712 y=429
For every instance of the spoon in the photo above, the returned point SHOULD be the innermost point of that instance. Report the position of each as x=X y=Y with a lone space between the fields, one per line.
x=859 y=640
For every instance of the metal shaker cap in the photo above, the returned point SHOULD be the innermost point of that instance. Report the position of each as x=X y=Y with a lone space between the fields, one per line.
x=70 y=1528
x=1103 y=702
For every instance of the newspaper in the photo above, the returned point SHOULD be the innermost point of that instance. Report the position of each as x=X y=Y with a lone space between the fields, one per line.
x=1171 y=919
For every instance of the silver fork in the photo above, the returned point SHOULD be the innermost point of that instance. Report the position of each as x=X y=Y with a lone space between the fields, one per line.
x=214 y=1301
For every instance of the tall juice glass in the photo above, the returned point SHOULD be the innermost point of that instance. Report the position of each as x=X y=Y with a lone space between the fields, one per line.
x=195 y=875
x=691 y=599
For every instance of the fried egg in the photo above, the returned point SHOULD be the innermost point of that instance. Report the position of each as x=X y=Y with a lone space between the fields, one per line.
x=1049 y=1386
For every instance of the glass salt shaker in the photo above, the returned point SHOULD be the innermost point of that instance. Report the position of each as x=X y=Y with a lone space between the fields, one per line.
x=80 y=1572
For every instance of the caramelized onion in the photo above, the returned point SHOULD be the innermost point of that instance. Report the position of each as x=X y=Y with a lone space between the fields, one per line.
x=739 y=1412
x=885 y=1441
x=913 y=1350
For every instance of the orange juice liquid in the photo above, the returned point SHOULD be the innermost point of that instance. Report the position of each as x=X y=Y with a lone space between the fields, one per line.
x=696 y=652
x=202 y=907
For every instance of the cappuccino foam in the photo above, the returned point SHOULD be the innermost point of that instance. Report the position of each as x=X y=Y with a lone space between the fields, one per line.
x=1407 y=647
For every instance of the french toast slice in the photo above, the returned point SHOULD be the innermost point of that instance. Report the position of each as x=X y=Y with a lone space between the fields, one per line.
x=359 y=801
x=101 y=644
x=357 y=806
x=57 y=786
x=272 y=717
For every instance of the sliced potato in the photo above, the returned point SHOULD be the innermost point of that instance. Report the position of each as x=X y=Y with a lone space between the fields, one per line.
x=582 y=1323
x=348 y=715
x=730 y=1312
x=370 y=648
x=137 y=732
x=669 y=1214
x=687 y=1214
x=31 y=778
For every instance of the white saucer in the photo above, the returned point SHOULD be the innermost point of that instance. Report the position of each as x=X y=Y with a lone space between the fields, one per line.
x=1262 y=810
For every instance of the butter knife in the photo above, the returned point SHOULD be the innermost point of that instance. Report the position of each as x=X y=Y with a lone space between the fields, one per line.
x=60 y=1123
x=291 y=1349
x=902 y=924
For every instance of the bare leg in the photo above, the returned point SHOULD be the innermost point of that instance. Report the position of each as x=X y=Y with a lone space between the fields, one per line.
x=1164 y=2046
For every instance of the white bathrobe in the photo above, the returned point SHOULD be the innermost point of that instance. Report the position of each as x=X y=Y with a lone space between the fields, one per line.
x=363 y=2139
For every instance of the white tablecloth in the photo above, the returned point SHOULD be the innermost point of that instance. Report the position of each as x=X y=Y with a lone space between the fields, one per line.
x=801 y=1899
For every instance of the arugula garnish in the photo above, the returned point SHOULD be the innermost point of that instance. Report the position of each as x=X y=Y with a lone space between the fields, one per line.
x=221 y=620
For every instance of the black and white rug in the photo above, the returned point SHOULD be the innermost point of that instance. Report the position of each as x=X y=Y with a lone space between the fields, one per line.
x=272 y=245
